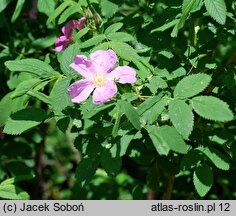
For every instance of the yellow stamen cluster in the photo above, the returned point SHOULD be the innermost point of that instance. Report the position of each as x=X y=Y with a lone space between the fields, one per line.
x=99 y=80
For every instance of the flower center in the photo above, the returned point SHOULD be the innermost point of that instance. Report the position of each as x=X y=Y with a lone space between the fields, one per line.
x=99 y=80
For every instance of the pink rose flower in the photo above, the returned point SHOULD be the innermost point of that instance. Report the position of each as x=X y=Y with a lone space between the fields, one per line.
x=63 y=41
x=99 y=77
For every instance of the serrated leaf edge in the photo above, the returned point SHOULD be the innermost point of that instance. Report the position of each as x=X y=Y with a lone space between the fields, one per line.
x=192 y=123
x=198 y=92
x=203 y=151
x=213 y=17
x=195 y=176
x=207 y=117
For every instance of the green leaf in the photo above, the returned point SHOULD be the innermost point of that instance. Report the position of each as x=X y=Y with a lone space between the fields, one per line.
x=102 y=46
x=45 y=42
x=108 y=8
x=196 y=6
x=59 y=95
x=113 y=28
x=161 y=146
x=178 y=26
x=18 y=9
x=91 y=1
x=156 y=83
x=124 y=50
x=181 y=116
x=41 y=85
x=144 y=71
x=203 y=179
x=147 y=104
x=177 y=73
x=212 y=108
x=9 y=105
x=18 y=178
x=217 y=10
x=34 y=66
x=165 y=26
x=110 y=161
x=187 y=7
x=63 y=123
x=151 y=115
x=93 y=41
x=68 y=12
x=13 y=192
x=5 y=109
x=90 y=109
x=120 y=36
x=3 y=4
x=125 y=140
x=40 y=96
x=81 y=33
x=137 y=193
x=128 y=53
x=167 y=137
x=46 y=7
x=217 y=158
x=191 y=85
x=129 y=96
x=86 y=170
x=59 y=10
x=191 y=159
x=18 y=167
x=173 y=139
x=16 y=78
x=24 y=87
x=117 y=123
x=140 y=154
x=67 y=58
x=130 y=113
x=84 y=3
x=24 y=120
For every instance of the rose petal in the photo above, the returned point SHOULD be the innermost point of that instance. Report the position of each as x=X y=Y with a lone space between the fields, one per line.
x=67 y=29
x=123 y=74
x=104 y=93
x=80 y=90
x=105 y=59
x=84 y=67
x=61 y=43
x=81 y=22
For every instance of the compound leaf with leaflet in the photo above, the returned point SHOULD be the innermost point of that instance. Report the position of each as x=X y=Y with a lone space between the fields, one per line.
x=212 y=108
x=191 y=85
x=182 y=117
x=203 y=179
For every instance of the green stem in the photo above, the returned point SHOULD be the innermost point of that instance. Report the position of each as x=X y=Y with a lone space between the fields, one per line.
x=4 y=46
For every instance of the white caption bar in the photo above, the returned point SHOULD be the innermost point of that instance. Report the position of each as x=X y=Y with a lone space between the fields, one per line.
x=118 y=208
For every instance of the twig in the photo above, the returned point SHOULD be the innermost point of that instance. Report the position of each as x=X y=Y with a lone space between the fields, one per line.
x=39 y=165
x=169 y=187
x=151 y=194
